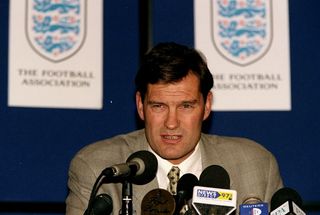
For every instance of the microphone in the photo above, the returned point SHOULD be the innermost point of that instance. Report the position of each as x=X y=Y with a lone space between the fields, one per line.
x=215 y=176
x=140 y=168
x=254 y=206
x=102 y=205
x=215 y=197
x=286 y=201
x=158 y=201
x=184 y=192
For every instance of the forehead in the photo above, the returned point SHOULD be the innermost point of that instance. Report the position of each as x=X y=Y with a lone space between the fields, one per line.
x=189 y=86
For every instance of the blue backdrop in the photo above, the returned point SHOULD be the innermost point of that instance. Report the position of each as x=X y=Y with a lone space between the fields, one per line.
x=36 y=144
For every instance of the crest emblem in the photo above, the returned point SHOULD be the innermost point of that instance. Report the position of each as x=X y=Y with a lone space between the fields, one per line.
x=56 y=29
x=242 y=29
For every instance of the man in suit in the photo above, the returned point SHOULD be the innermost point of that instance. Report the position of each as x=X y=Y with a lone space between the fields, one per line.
x=173 y=98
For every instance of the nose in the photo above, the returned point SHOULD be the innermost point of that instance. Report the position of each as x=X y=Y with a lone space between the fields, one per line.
x=172 y=121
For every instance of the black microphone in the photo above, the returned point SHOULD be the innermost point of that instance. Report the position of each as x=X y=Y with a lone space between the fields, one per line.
x=215 y=176
x=140 y=168
x=158 y=201
x=214 y=196
x=286 y=201
x=102 y=205
x=184 y=192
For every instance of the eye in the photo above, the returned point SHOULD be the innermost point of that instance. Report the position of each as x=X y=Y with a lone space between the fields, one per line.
x=187 y=106
x=157 y=107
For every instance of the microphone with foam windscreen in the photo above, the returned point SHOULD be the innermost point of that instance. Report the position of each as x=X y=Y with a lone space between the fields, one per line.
x=213 y=195
x=215 y=176
x=184 y=192
x=286 y=201
x=158 y=201
x=140 y=168
x=143 y=168
x=102 y=205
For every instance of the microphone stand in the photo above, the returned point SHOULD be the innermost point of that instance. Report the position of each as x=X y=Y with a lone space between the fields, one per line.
x=126 y=208
x=94 y=190
x=107 y=173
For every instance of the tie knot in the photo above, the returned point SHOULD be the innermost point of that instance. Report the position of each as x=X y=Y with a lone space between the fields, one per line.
x=174 y=171
x=173 y=176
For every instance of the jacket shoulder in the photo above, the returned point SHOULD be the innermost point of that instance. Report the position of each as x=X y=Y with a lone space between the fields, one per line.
x=234 y=145
x=253 y=170
x=110 y=151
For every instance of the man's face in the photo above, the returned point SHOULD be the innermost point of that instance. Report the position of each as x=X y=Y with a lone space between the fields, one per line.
x=173 y=115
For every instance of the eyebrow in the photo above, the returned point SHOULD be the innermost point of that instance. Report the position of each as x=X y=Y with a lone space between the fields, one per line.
x=194 y=101
x=151 y=102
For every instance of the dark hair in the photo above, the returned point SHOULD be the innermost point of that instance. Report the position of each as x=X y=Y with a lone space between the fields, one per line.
x=170 y=63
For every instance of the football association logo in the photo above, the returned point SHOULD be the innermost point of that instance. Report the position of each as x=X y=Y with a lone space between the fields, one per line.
x=242 y=29
x=56 y=29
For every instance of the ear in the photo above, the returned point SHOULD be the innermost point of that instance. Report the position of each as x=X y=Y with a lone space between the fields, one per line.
x=139 y=104
x=208 y=105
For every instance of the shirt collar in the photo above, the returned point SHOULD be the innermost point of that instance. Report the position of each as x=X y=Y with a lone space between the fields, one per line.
x=192 y=164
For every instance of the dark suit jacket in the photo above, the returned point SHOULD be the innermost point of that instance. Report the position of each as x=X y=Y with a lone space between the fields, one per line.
x=252 y=169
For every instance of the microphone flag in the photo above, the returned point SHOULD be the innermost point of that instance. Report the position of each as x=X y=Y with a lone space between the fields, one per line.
x=254 y=209
x=207 y=200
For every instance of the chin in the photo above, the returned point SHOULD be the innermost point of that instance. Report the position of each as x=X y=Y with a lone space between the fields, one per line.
x=172 y=156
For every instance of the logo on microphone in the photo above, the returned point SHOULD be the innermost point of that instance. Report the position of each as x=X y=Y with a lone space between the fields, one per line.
x=216 y=200
x=254 y=209
x=211 y=194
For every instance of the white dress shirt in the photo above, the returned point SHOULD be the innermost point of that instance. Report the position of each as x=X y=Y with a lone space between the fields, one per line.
x=191 y=165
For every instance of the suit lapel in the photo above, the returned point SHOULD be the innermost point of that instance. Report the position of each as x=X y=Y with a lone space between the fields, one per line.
x=212 y=156
x=209 y=154
x=139 y=191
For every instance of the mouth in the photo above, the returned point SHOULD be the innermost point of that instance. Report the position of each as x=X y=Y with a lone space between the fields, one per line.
x=171 y=138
